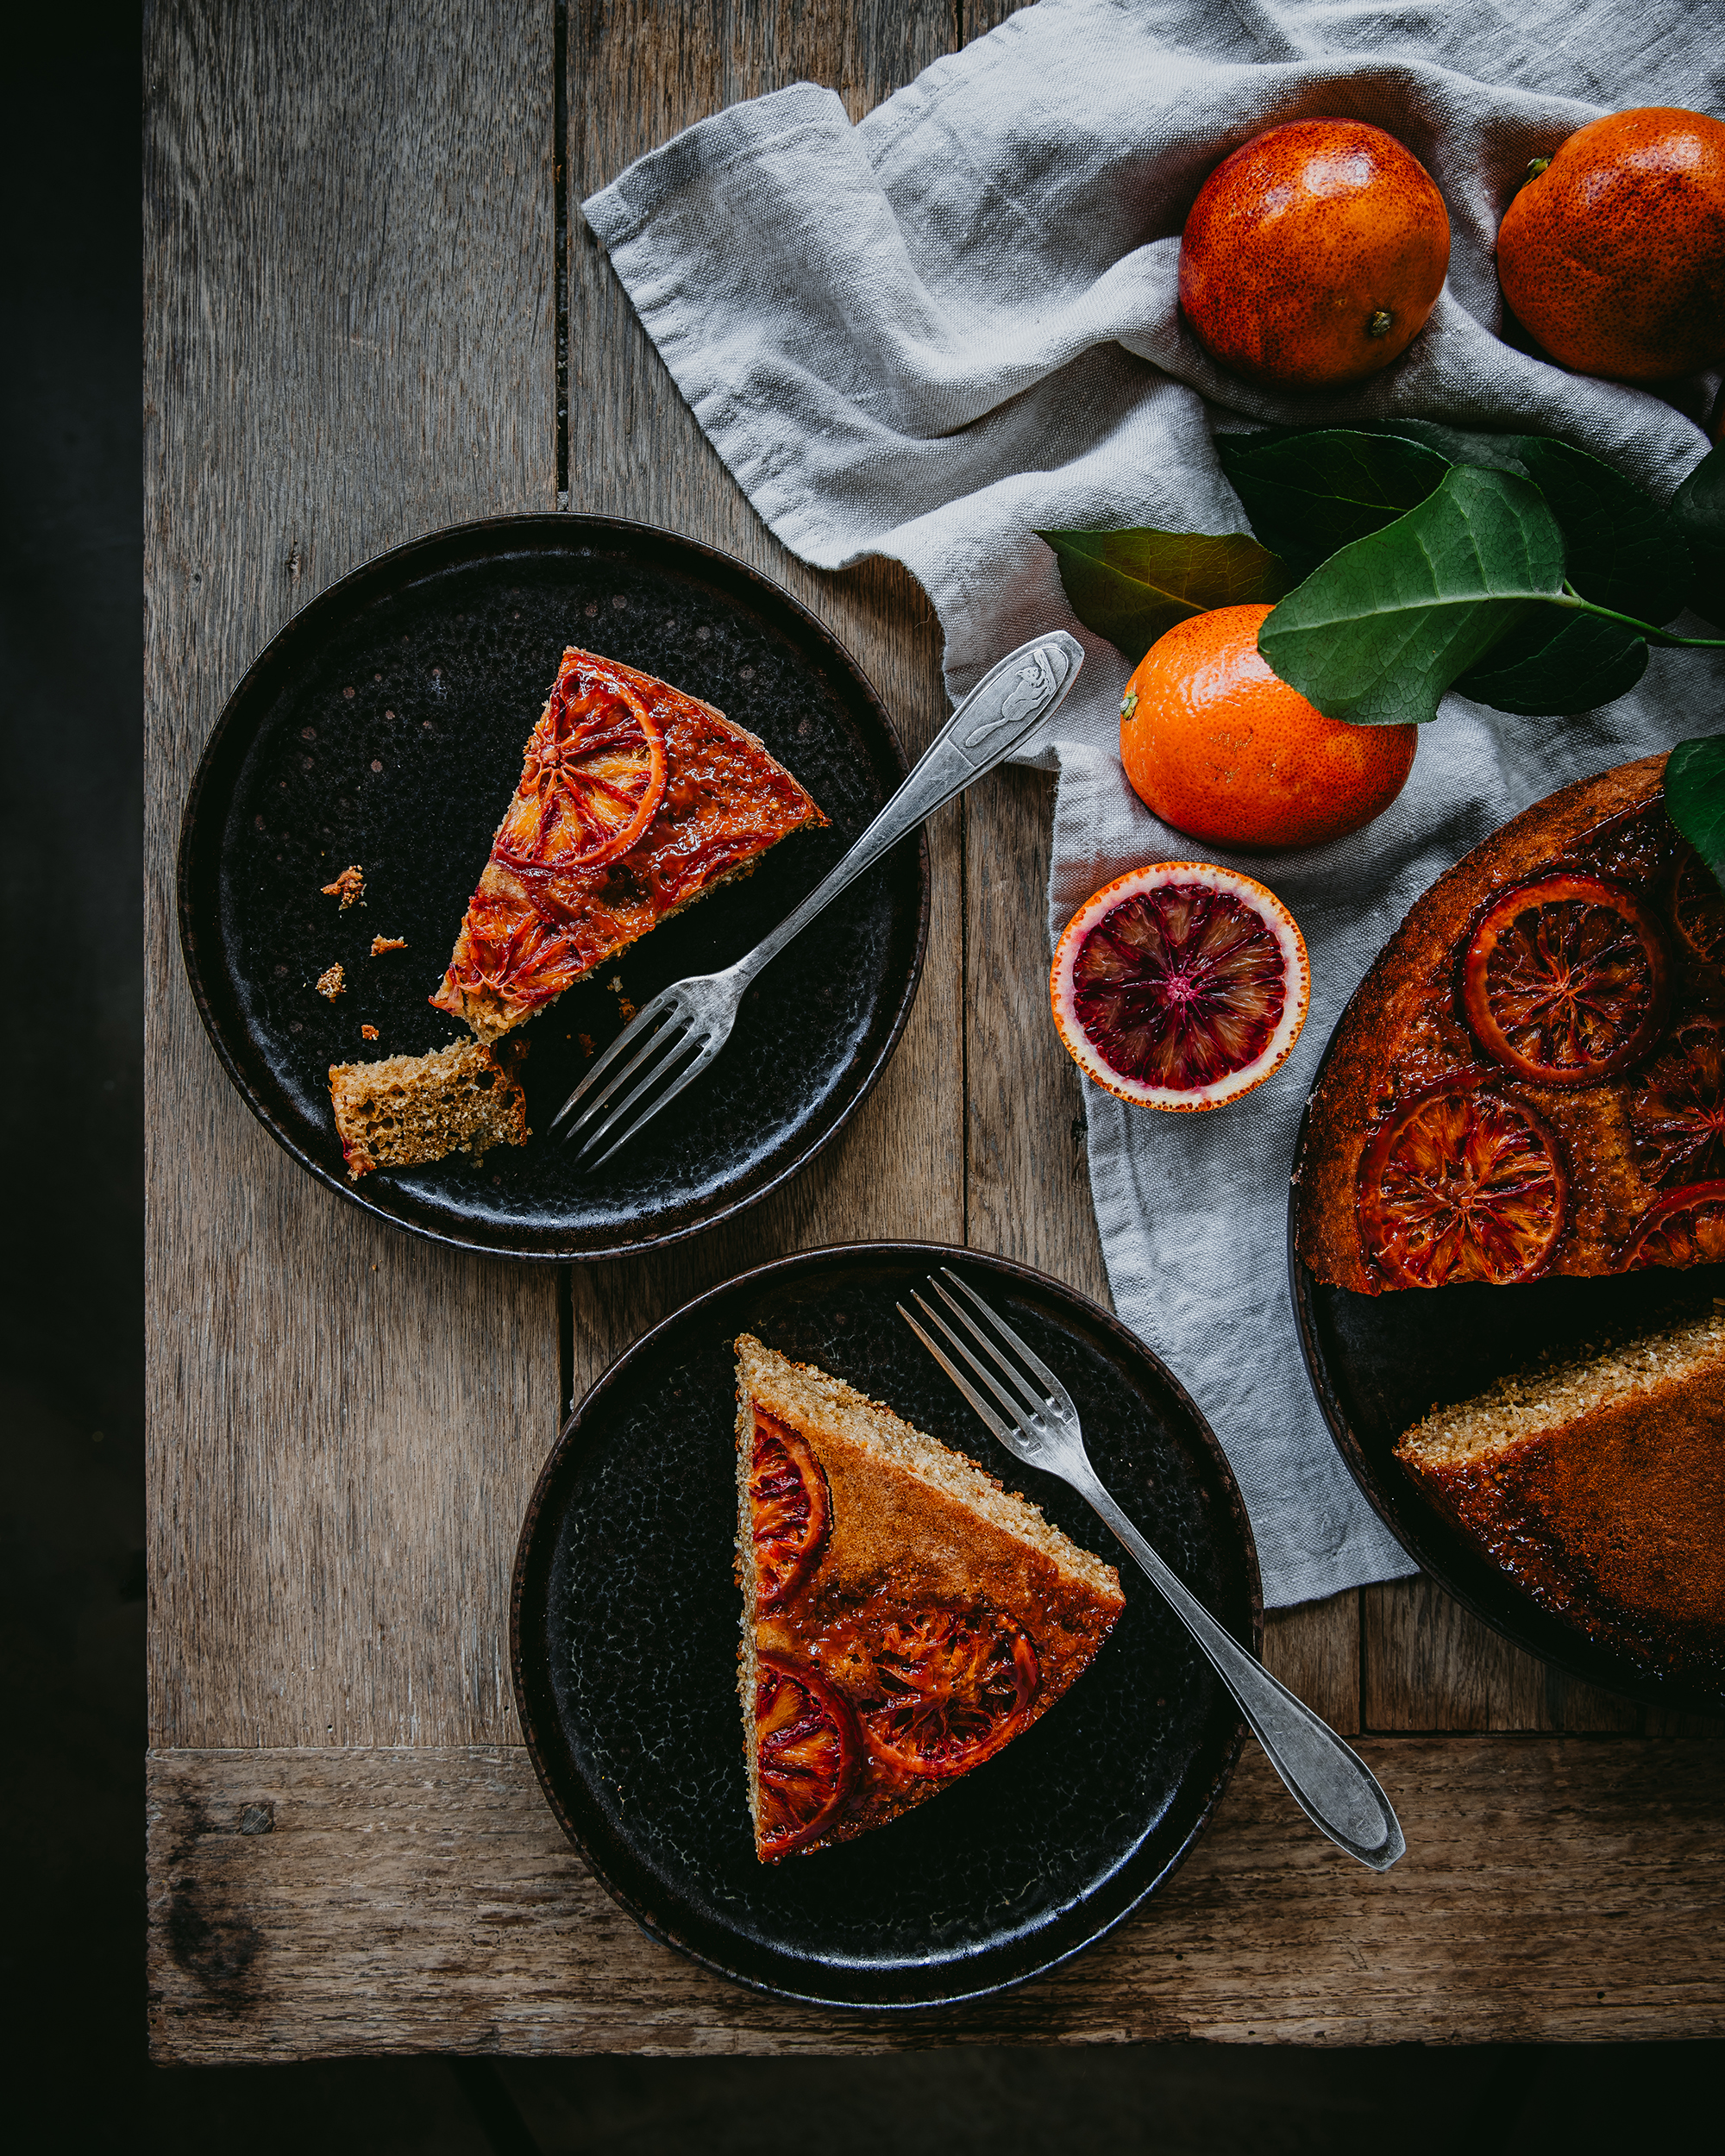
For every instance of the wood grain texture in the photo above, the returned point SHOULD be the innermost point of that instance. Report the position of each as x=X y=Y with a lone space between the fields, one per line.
x=319 y=1902
x=349 y=341
x=636 y=450
x=1429 y=1664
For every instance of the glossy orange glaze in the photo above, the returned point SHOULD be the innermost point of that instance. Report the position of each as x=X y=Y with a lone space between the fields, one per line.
x=536 y=925
x=1616 y=1155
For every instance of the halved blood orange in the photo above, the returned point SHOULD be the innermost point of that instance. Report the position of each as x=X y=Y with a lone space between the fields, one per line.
x=790 y=1509
x=593 y=775
x=1679 y=1111
x=1461 y=1183
x=940 y=1690
x=1699 y=909
x=1180 y=985
x=807 y=1752
x=1566 y=980
x=1685 y=1227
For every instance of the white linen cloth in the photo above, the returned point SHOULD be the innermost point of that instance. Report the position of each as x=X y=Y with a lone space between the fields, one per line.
x=932 y=333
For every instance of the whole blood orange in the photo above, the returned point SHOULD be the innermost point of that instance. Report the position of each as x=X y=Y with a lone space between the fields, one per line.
x=1223 y=749
x=1313 y=254
x=1180 y=985
x=1613 y=256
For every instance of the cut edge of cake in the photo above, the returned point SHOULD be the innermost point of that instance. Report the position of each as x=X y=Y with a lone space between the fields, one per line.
x=407 y=1110
x=1551 y=1396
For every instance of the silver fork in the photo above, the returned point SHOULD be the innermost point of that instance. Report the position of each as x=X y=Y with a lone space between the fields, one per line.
x=677 y=1035
x=1335 y=1788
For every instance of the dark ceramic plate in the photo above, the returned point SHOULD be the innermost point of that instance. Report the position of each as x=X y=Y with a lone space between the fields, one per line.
x=385 y=725
x=625 y=1649
x=1378 y=1362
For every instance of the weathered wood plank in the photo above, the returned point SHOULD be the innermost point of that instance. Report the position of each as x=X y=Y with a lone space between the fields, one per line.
x=349 y=341
x=1315 y=1650
x=1429 y=1664
x=311 y=1903
x=636 y=74
x=1027 y=1173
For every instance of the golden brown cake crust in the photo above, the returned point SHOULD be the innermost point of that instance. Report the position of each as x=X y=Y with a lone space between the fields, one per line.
x=1614 y=1517
x=1406 y=1030
x=913 y=1525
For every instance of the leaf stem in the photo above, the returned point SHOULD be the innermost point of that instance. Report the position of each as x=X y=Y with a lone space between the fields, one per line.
x=1571 y=597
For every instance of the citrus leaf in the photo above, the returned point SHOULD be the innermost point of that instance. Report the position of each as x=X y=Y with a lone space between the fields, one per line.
x=1621 y=549
x=1379 y=632
x=1539 y=671
x=1456 y=445
x=1132 y=586
x=1695 y=798
x=1699 y=507
x=1308 y=494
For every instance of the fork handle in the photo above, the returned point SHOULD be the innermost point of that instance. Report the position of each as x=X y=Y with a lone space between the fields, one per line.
x=1012 y=698
x=1330 y=1782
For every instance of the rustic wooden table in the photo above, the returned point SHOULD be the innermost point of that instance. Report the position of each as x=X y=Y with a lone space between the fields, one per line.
x=374 y=309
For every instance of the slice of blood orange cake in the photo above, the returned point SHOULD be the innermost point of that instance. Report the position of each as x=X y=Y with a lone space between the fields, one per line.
x=904 y=1616
x=635 y=800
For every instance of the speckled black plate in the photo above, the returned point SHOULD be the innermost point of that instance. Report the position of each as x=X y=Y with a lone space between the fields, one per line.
x=625 y=1637
x=1378 y=1362
x=385 y=725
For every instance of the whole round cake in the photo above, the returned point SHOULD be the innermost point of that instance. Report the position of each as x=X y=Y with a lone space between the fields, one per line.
x=1531 y=1079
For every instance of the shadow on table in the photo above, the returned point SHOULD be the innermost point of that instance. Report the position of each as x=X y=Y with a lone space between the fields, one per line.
x=1189 y=2100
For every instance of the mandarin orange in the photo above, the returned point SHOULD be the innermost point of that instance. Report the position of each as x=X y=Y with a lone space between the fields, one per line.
x=1613 y=256
x=1223 y=749
x=1313 y=254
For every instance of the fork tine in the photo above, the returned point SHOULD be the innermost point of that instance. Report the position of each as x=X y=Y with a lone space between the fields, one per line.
x=639 y=1024
x=1015 y=1414
x=706 y=1050
x=1057 y=1391
x=654 y=1075
x=1033 y=1400
x=663 y=1040
x=958 y=1378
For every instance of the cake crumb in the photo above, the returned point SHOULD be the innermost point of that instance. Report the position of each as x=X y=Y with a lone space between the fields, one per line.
x=347 y=886
x=329 y=985
x=585 y=1043
x=368 y=1032
x=381 y=944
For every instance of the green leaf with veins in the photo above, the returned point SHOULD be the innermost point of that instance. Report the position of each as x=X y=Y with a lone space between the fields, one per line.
x=1699 y=507
x=1379 y=632
x=1309 y=494
x=1133 y=586
x=1621 y=549
x=1491 y=452
x=1537 y=673
x=1695 y=798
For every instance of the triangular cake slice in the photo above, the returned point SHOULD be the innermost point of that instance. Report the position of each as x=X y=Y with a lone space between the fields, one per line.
x=904 y=1616
x=635 y=800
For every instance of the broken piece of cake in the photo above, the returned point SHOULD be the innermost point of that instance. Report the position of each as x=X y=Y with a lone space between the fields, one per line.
x=407 y=1110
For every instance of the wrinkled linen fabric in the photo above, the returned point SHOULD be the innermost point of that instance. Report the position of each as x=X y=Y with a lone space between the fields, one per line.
x=930 y=335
